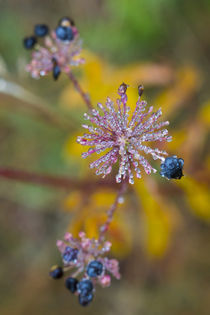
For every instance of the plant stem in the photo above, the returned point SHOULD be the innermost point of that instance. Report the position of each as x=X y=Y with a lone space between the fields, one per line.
x=53 y=181
x=80 y=91
x=110 y=213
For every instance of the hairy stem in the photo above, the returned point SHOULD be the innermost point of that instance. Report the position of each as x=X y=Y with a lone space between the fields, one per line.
x=80 y=90
x=61 y=182
x=110 y=213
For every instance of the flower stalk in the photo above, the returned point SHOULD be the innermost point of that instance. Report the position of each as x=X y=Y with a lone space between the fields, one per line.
x=77 y=86
x=110 y=213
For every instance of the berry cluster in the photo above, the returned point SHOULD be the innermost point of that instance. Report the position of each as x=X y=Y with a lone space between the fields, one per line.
x=86 y=256
x=53 y=51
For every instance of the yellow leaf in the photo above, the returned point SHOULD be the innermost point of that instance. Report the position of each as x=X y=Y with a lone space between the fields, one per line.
x=72 y=201
x=204 y=114
x=158 y=226
x=197 y=196
x=185 y=85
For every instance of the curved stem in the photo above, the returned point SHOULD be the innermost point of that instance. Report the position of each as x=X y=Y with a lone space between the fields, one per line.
x=110 y=213
x=80 y=90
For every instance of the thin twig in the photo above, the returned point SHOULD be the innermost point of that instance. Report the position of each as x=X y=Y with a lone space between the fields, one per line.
x=80 y=90
x=53 y=181
x=110 y=213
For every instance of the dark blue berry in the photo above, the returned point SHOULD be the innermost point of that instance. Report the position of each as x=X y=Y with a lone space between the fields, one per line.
x=85 y=286
x=41 y=30
x=56 y=272
x=29 y=42
x=172 y=168
x=70 y=254
x=71 y=284
x=66 y=21
x=84 y=300
x=56 y=71
x=95 y=268
x=64 y=33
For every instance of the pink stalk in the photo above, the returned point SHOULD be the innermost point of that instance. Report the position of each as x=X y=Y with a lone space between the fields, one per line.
x=80 y=90
x=110 y=213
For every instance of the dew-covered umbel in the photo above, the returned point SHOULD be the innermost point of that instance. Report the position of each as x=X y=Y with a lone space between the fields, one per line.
x=85 y=259
x=54 y=52
x=122 y=137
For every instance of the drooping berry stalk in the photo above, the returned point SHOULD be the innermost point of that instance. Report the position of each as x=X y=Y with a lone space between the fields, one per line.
x=77 y=86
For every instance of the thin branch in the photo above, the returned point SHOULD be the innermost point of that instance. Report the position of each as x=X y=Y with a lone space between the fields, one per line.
x=110 y=213
x=60 y=182
x=80 y=90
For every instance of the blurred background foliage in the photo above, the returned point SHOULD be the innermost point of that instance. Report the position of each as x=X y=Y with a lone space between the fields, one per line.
x=161 y=233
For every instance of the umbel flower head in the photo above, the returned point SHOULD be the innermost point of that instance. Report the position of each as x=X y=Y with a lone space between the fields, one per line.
x=54 y=52
x=87 y=257
x=124 y=138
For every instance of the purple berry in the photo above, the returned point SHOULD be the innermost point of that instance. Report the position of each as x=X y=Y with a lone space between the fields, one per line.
x=94 y=269
x=172 y=168
x=56 y=272
x=41 y=30
x=70 y=254
x=29 y=42
x=85 y=286
x=64 y=33
x=71 y=284
x=84 y=300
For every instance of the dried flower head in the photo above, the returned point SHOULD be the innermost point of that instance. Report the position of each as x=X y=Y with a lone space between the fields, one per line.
x=87 y=258
x=124 y=138
x=58 y=50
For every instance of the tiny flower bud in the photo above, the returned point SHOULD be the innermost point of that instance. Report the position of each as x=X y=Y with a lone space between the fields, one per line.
x=66 y=21
x=140 y=90
x=105 y=281
x=122 y=89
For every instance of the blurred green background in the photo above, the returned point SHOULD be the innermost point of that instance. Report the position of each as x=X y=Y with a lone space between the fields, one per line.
x=127 y=41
